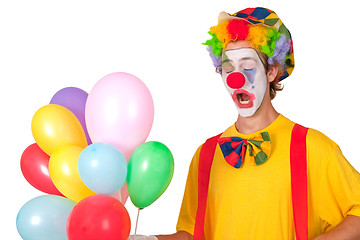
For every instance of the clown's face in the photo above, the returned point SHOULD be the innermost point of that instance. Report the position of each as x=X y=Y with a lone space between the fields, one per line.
x=245 y=79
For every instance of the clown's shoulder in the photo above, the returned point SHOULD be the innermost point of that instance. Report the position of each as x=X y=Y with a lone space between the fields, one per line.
x=321 y=147
x=316 y=140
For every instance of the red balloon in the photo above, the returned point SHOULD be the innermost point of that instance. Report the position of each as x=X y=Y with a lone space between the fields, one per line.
x=34 y=165
x=99 y=217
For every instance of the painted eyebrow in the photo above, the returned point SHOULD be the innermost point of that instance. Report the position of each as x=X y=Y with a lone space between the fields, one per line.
x=242 y=59
x=247 y=58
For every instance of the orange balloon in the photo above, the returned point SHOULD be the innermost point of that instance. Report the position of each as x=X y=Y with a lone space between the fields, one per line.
x=54 y=126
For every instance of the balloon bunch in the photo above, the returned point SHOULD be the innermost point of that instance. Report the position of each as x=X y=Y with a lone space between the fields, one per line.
x=87 y=146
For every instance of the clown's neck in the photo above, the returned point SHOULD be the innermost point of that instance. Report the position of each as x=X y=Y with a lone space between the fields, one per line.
x=262 y=118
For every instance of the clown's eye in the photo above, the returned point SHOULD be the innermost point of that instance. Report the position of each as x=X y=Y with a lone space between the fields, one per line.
x=248 y=64
x=227 y=67
x=249 y=69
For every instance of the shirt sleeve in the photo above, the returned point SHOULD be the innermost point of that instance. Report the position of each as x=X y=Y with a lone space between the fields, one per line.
x=339 y=192
x=187 y=215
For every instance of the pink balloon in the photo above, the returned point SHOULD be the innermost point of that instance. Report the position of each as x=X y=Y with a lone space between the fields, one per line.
x=122 y=195
x=120 y=111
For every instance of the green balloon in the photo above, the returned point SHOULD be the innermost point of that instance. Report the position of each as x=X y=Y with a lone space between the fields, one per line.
x=150 y=170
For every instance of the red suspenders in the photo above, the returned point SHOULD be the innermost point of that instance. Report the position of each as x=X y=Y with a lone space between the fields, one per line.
x=298 y=182
x=205 y=161
x=298 y=167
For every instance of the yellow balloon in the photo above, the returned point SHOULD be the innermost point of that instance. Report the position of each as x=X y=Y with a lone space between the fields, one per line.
x=54 y=126
x=65 y=175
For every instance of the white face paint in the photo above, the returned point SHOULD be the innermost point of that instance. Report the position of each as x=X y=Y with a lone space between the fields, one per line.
x=245 y=79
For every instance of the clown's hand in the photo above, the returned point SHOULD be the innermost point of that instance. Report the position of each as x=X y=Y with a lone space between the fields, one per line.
x=142 y=237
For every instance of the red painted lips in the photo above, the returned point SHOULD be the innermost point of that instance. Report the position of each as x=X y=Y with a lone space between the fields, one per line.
x=243 y=98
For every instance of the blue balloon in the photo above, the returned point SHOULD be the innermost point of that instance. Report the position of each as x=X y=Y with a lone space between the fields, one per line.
x=103 y=168
x=44 y=218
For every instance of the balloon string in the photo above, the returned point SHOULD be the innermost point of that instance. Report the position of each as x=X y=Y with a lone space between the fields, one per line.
x=137 y=220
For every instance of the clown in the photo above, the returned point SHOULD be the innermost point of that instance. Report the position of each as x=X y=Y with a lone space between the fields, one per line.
x=265 y=177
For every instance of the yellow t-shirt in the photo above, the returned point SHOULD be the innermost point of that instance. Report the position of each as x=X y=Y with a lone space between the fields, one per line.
x=254 y=202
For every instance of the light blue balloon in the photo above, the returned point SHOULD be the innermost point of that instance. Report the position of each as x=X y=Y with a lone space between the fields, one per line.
x=44 y=218
x=103 y=168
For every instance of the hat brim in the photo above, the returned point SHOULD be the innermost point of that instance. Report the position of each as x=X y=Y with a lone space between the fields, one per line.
x=224 y=16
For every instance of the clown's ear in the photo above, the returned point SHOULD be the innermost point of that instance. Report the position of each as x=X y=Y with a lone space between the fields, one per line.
x=272 y=73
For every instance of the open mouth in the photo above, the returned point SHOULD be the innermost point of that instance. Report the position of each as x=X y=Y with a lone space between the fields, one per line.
x=243 y=98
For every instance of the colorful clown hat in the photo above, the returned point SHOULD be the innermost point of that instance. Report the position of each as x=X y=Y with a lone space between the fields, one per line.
x=259 y=21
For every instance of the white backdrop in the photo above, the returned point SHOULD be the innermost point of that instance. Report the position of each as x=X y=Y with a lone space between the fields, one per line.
x=48 y=45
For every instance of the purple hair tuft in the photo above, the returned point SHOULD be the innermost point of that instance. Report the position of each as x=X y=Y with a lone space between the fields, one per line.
x=215 y=59
x=283 y=45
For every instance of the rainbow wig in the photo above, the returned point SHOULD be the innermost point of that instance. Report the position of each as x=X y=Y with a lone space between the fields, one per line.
x=261 y=28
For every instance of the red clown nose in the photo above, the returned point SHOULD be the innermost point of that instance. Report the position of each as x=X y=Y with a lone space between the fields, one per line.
x=235 y=80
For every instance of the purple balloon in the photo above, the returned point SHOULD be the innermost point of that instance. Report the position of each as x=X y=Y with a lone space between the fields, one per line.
x=73 y=99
